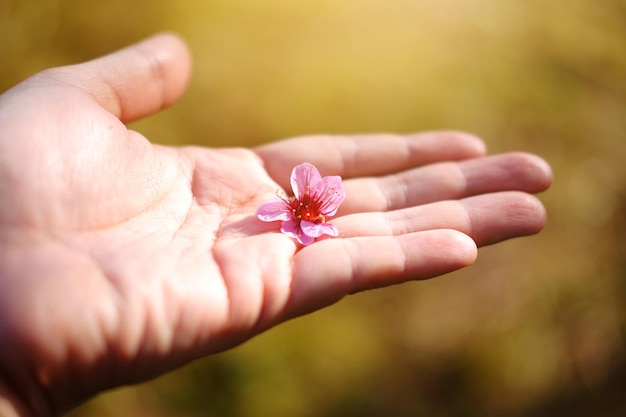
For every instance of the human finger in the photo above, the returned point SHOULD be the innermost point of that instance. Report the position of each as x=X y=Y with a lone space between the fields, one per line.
x=366 y=155
x=328 y=270
x=486 y=218
x=447 y=180
x=133 y=82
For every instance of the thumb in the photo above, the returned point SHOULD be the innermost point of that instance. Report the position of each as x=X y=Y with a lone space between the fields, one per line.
x=136 y=81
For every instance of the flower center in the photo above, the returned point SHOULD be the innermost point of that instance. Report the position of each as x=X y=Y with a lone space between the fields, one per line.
x=303 y=211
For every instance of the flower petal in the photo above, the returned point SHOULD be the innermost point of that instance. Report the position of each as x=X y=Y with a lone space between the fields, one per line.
x=318 y=229
x=305 y=239
x=329 y=194
x=304 y=176
x=292 y=229
x=274 y=209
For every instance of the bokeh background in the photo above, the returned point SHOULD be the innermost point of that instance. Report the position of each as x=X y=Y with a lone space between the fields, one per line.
x=536 y=328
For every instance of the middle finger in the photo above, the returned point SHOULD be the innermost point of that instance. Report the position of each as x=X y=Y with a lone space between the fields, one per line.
x=446 y=181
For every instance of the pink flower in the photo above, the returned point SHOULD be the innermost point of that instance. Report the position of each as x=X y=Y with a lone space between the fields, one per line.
x=304 y=215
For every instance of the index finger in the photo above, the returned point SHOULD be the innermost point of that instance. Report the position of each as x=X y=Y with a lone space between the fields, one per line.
x=366 y=155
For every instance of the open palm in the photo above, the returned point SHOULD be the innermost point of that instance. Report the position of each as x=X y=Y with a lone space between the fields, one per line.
x=121 y=260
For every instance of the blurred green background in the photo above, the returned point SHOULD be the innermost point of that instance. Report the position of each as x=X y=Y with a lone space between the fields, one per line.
x=536 y=328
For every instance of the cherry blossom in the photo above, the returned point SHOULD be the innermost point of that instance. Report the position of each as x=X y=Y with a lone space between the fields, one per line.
x=304 y=215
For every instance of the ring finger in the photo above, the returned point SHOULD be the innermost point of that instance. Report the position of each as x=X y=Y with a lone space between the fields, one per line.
x=487 y=219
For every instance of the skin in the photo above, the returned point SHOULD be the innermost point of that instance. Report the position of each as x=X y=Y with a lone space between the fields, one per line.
x=121 y=260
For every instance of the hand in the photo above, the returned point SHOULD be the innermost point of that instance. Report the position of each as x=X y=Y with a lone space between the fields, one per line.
x=121 y=260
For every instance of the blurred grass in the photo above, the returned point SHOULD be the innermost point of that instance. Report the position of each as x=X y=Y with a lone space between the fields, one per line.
x=535 y=328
